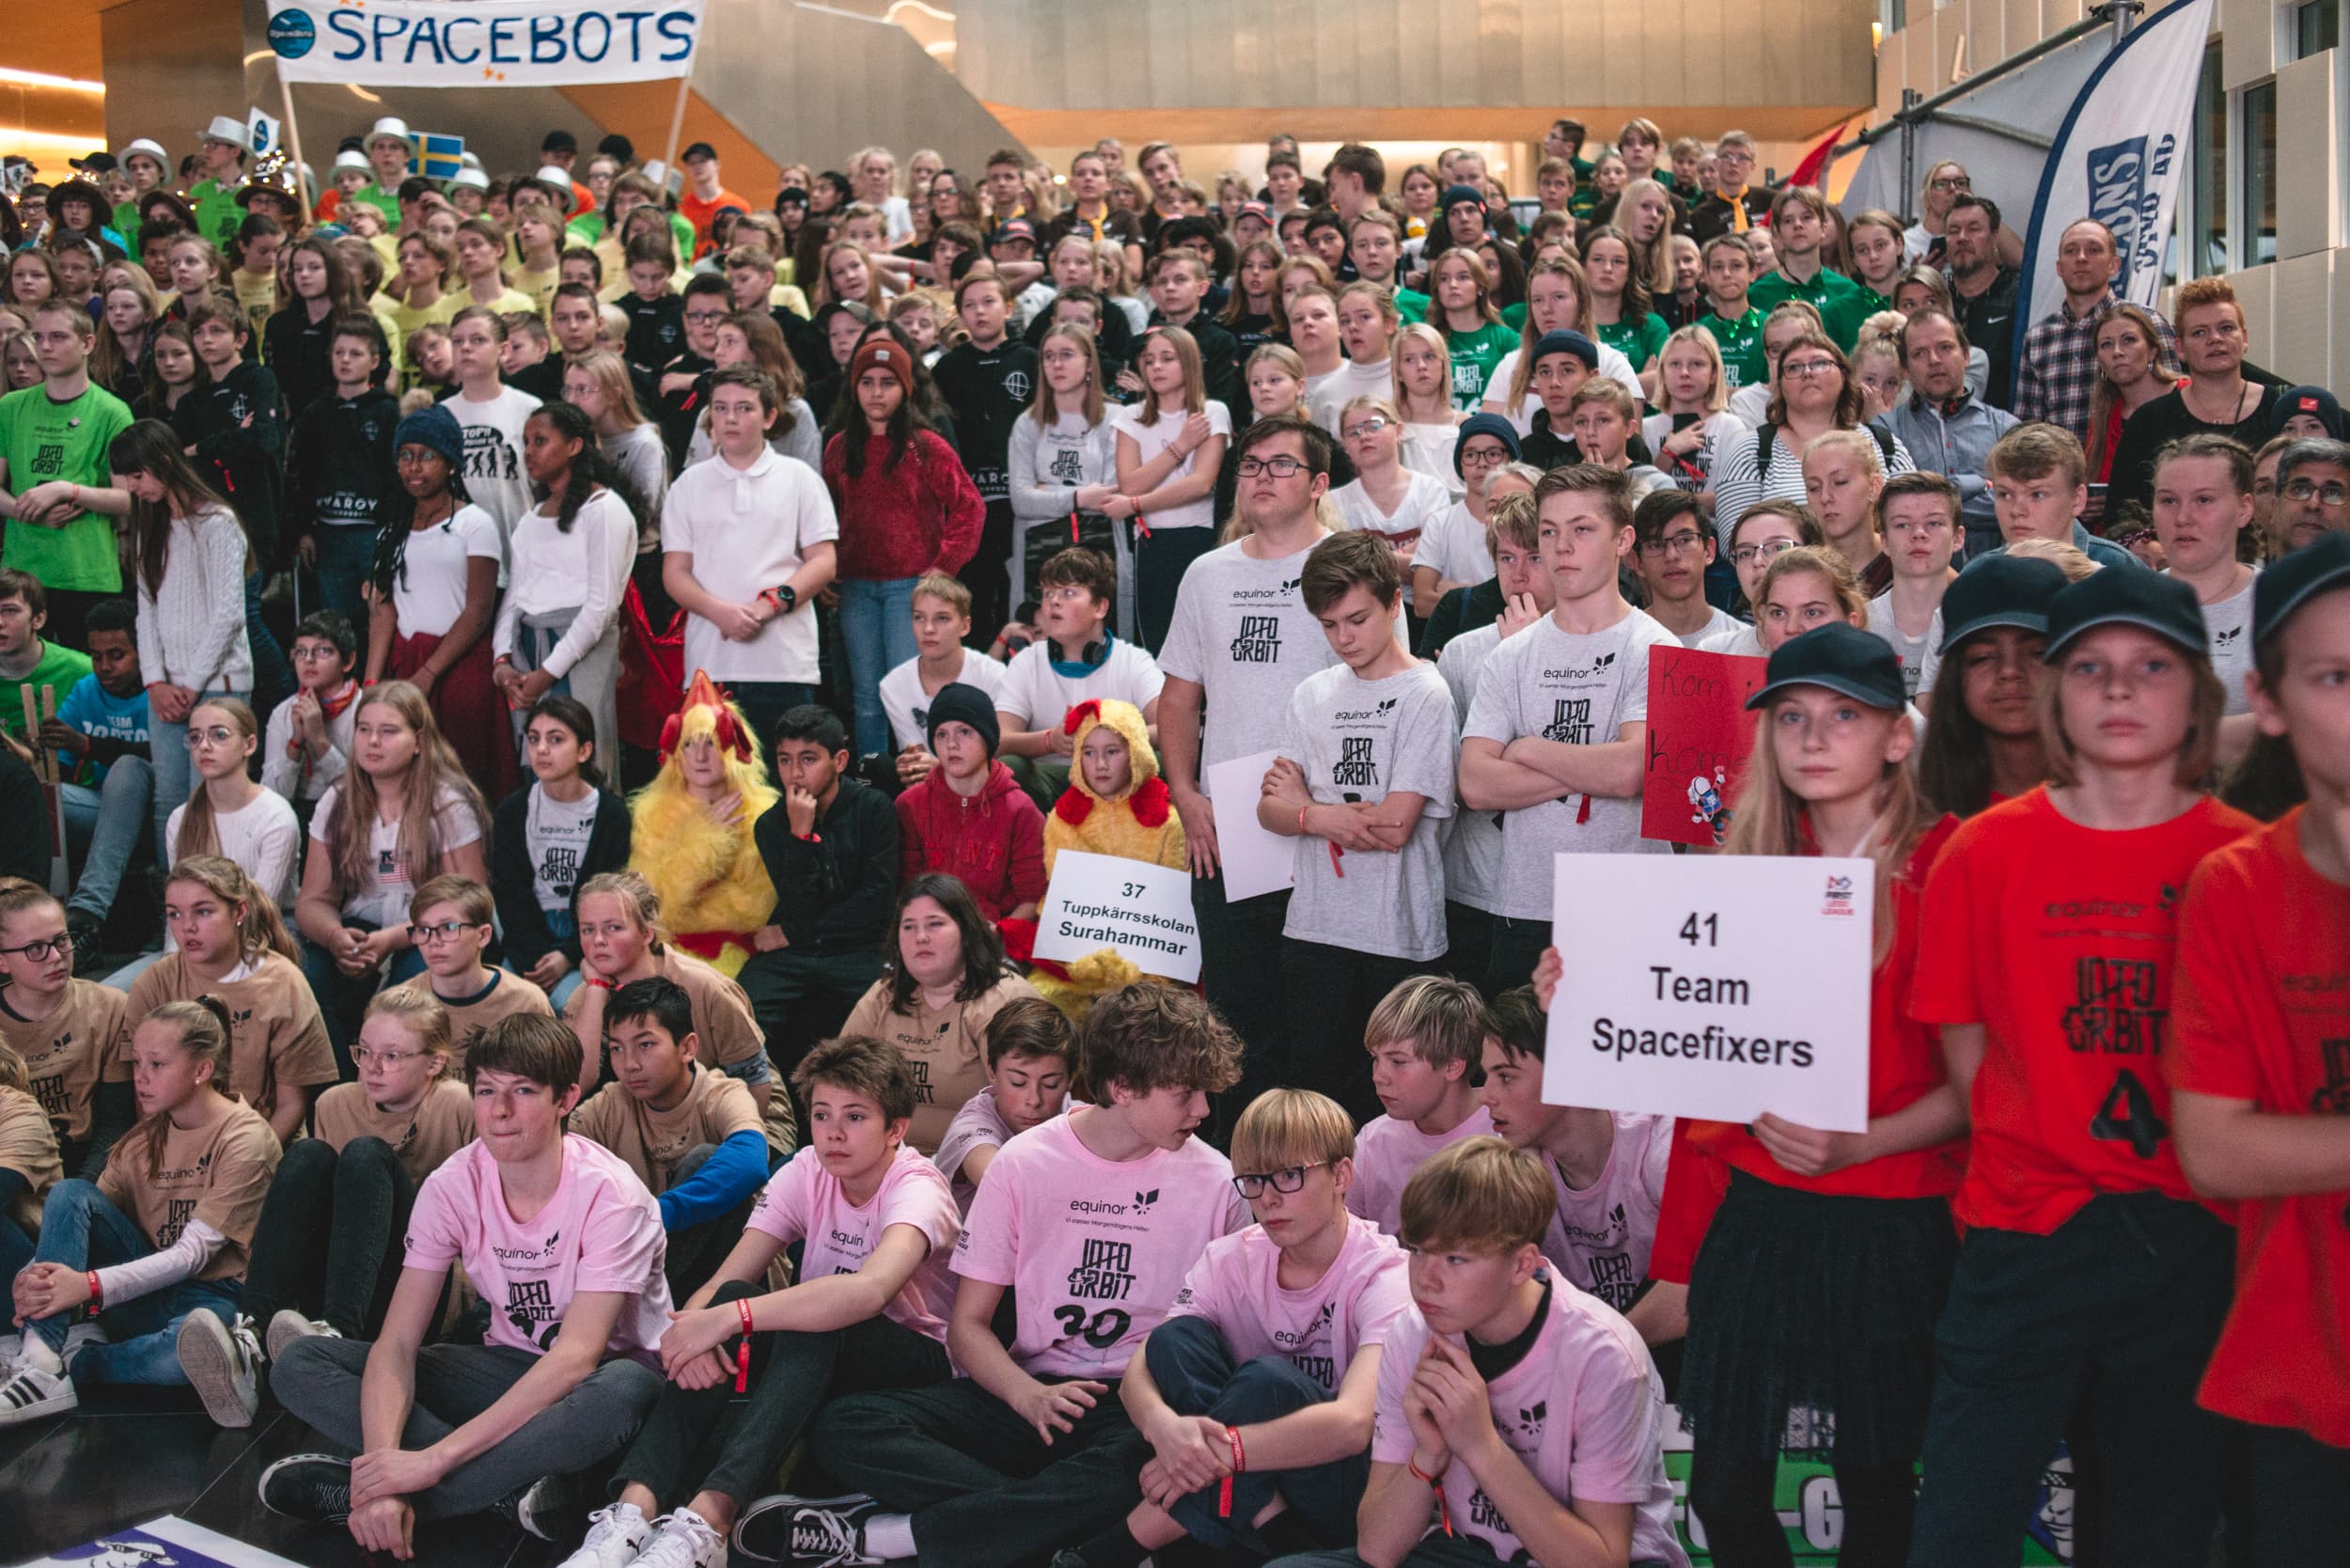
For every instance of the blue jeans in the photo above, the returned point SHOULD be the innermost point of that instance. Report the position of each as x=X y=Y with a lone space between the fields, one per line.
x=175 y=775
x=273 y=675
x=107 y=825
x=345 y=552
x=562 y=928
x=81 y=1228
x=16 y=1248
x=877 y=620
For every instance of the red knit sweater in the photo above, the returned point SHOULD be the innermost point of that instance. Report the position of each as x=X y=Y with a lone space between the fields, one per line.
x=922 y=516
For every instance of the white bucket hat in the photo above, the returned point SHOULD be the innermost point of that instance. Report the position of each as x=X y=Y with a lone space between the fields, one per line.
x=351 y=157
x=471 y=179
x=234 y=132
x=143 y=147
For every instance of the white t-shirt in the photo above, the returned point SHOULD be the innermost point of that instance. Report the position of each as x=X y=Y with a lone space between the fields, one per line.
x=1601 y=1236
x=1241 y=631
x=748 y=530
x=909 y=706
x=1911 y=651
x=1424 y=501
x=494 y=477
x=382 y=896
x=556 y=834
x=1472 y=851
x=1454 y=544
x=1743 y=641
x=1039 y=696
x=1428 y=449
x=1153 y=439
x=2230 y=625
x=429 y=593
x=264 y=838
x=1327 y=401
x=1719 y=622
x=1582 y=691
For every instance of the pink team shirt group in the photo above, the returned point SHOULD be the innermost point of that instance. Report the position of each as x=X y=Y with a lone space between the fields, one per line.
x=602 y=1231
x=804 y=1201
x=1584 y=1410
x=1236 y=1286
x=1388 y=1151
x=1094 y=1250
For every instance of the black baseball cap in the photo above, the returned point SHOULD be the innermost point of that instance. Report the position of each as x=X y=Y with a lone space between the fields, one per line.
x=559 y=141
x=1999 y=590
x=700 y=150
x=2279 y=592
x=2126 y=596
x=1843 y=658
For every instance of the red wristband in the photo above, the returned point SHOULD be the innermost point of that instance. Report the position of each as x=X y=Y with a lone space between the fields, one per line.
x=94 y=1291
x=1435 y=1484
x=1240 y=1463
x=602 y=984
x=743 y=1348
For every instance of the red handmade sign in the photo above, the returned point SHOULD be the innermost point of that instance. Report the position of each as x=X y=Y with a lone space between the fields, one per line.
x=1698 y=735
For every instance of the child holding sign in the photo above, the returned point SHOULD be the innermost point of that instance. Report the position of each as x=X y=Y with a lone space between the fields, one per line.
x=2255 y=1065
x=2088 y=1265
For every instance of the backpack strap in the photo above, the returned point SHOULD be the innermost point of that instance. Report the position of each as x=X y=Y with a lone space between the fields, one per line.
x=1765 y=448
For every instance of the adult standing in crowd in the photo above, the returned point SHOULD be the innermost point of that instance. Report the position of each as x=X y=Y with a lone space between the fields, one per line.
x=1983 y=290
x=2059 y=372
x=2218 y=395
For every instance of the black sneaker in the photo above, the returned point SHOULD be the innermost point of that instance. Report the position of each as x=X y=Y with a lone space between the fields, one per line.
x=312 y=1487
x=552 y=1507
x=87 y=935
x=807 y=1533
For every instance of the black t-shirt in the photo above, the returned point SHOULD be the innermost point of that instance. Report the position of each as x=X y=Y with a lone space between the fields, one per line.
x=680 y=407
x=986 y=390
x=657 y=329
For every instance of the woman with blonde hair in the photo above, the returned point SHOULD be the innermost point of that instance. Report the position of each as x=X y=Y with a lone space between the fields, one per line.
x=845 y=274
x=1691 y=428
x=1116 y=280
x=1803 y=589
x=1557 y=299
x=227 y=814
x=598 y=384
x=126 y=327
x=1387 y=498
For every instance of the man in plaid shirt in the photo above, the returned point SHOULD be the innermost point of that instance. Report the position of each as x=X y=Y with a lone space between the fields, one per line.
x=2059 y=368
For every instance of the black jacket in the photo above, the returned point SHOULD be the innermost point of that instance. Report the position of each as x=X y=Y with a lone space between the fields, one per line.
x=987 y=390
x=528 y=938
x=237 y=430
x=835 y=892
x=338 y=461
x=298 y=351
x=1989 y=318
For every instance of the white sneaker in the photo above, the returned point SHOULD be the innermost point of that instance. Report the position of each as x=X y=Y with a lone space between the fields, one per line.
x=31 y=1393
x=684 y=1540
x=615 y=1536
x=220 y=1362
x=11 y=1346
x=289 y=1325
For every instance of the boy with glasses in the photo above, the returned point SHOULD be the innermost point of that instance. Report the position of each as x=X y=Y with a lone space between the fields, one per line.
x=1673 y=547
x=449 y=921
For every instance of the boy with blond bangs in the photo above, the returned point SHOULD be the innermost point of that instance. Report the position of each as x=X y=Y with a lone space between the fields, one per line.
x=1029 y=1044
x=1091 y=1219
x=1425 y=1039
x=942 y=619
x=1528 y=1408
x=2039 y=486
x=1256 y=1392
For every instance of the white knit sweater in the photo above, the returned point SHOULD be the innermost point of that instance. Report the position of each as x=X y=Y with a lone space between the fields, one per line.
x=192 y=632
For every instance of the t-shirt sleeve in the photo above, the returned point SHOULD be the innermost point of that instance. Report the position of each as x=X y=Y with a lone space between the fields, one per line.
x=925 y=1202
x=1390 y=1432
x=436 y=1238
x=232 y=1204
x=455 y=822
x=1618 y=1422
x=1199 y=1296
x=1295 y=723
x=817 y=520
x=1182 y=653
x=622 y=1245
x=732 y=1110
x=989 y=1248
x=1426 y=747
x=781 y=1210
x=28 y=1145
x=1635 y=707
x=322 y=816
x=298 y=1045
x=1493 y=712
x=1381 y=1304
x=2213 y=1047
x=1942 y=988
x=1016 y=694
x=1143 y=677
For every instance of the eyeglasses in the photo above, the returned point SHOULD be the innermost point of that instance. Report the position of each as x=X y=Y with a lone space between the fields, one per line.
x=446 y=931
x=43 y=951
x=365 y=1054
x=1674 y=544
x=1066 y=595
x=1747 y=554
x=1279 y=467
x=219 y=734
x=1484 y=457
x=1806 y=367
x=1288 y=1179
x=703 y=318
x=2303 y=490
x=1372 y=426
x=305 y=655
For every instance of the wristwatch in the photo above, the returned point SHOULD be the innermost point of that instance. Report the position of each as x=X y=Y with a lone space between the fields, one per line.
x=785 y=599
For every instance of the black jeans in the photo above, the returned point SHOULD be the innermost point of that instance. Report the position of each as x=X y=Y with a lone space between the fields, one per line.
x=983 y=1489
x=1327 y=997
x=1160 y=562
x=330 y=1237
x=1241 y=976
x=736 y=1442
x=1517 y=947
x=2295 y=1492
x=1469 y=944
x=1197 y=1376
x=802 y=999
x=2123 y=1303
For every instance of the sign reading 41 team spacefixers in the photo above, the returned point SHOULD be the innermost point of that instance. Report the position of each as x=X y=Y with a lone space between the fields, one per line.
x=1713 y=986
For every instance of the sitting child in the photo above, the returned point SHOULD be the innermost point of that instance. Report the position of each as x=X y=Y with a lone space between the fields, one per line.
x=968 y=818
x=307 y=744
x=690 y=832
x=1426 y=1039
x=1029 y=1042
x=449 y=919
x=1079 y=659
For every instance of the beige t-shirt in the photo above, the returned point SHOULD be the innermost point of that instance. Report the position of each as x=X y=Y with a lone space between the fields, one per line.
x=508 y=994
x=69 y=1050
x=275 y=1033
x=29 y=1146
x=441 y=1124
x=652 y=1141
x=947 y=1047
x=218 y=1175
x=722 y=1021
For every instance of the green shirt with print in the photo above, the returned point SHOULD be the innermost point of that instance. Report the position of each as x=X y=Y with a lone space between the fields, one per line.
x=1410 y=305
x=59 y=669
x=1743 y=364
x=1638 y=342
x=217 y=214
x=42 y=440
x=1474 y=356
x=1842 y=303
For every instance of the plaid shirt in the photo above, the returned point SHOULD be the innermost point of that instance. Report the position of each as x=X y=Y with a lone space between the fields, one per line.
x=2060 y=369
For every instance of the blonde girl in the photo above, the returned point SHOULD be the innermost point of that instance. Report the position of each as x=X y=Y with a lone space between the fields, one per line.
x=1422 y=367
x=1063 y=468
x=1691 y=427
x=1557 y=299
x=1170 y=446
x=227 y=814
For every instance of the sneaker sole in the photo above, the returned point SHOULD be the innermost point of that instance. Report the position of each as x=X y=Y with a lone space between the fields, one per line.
x=283 y=1332
x=55 y=1404
x=208 y=1357
x=298 y=1459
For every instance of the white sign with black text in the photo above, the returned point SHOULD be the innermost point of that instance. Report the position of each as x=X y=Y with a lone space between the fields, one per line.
x=1140 y=910
x=1716 y=987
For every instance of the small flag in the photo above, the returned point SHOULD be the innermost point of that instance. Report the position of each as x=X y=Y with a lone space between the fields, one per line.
x=439 y=157
x=264 y=130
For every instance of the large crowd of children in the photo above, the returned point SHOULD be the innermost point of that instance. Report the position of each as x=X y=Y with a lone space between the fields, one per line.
x=539 y=718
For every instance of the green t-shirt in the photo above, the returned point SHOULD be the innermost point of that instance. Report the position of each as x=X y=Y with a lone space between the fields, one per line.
x=217 y=214
x=1842 y=303
x=1513 y=316
x=1743 y=364
x=127 y=225
x=1474 y=356
x=1410 y=305
x=384 y=201
x=1638 y=342
x=41 y=441
x=59 y=667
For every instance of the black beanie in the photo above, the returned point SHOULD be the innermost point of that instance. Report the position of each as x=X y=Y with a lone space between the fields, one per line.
x=957 y=703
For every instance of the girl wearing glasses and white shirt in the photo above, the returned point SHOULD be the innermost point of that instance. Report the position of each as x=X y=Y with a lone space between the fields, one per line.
x=1387 y=498
x=227 y=814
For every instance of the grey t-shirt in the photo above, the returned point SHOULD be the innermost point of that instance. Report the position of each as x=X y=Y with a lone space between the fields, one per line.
x=1912 y=650
x=1472 y=850
x=1581 y=691
x=557 y=834
x=2229 y=624
x=1243 y=632
x=1360 y=740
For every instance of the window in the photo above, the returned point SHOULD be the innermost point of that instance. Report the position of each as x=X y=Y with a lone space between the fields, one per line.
x=2257 y=240
x=2207 y=220
x=2318 y=27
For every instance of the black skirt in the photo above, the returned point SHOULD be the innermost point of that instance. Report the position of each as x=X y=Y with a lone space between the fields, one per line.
x=1811 y=1323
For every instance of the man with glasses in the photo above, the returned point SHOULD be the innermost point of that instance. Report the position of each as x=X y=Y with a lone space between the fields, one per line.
x=1946 y=431
x=1983 y=290
x=1922 y=242
x=1733 y=205
x=449 y=925
x=2313 y=485
x=1673 y=547
x=2059 y=368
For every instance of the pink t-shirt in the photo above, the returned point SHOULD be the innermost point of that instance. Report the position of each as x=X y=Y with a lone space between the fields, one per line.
x=602 y=1231
x=978 y=1125
x=1600 y=1238
x=804 y=1200
x=1387 y=1152
x=1584 y=1410
x=1236 y=1286
x=1094 y=1250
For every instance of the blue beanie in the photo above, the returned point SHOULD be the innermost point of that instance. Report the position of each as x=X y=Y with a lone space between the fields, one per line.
x=1484 y=424
x=1455 y=195
x=434 y=427
x=1564 y=342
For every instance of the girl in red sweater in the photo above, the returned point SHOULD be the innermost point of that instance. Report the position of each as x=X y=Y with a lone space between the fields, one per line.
x=906 y=509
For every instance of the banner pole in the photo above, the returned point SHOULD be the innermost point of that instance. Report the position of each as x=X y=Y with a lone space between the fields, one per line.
x=677 y=125
x=308 y=199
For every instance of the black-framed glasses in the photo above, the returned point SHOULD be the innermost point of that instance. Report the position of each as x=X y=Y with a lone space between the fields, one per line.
x=1283 y=467
x=1674 y=544
x=1747 y=554
x=1290 y=1178
x=446 y=931
x=2303 y=490
x=45 y=949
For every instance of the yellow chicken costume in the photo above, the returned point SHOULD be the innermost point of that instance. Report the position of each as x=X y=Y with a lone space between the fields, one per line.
x=714 y=886
x=1138 y=825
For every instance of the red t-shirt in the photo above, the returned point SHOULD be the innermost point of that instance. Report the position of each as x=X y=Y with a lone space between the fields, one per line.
x=2263 y=1015
x=2057 y=938
x=1904 y=1065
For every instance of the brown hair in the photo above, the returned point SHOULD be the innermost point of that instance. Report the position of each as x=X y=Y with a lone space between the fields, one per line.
x=1029 y=1026
x=1344 y=560
x=1848 y=401
x=862 y=1065
x=2034 y=451
x=433 y=770
x=1046 y=408
x=471 y=899
x=1479 y=1195
x=1145 y=1036
x=199 y=833
x=260 y=928
x=1589 y=479
x=536 y=1046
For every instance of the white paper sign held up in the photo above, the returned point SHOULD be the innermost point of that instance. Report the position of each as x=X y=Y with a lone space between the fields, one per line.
x=1254 y=861
x=1713 y=986
x=1141 y=910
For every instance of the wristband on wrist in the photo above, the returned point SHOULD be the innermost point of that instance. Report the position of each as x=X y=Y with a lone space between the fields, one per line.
x=1240 y=1463
x=742 y=1347
x=599 y=983
x=1435 y=1484
x=95 y=1293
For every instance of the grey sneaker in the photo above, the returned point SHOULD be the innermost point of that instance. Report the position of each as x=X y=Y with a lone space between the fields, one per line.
x=222 y=1364
x=287 y=1325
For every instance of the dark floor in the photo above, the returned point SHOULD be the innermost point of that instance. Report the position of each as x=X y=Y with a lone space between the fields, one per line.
x=120 y=1461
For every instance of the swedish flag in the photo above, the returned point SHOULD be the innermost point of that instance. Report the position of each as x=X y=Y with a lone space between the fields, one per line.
x=439 y=157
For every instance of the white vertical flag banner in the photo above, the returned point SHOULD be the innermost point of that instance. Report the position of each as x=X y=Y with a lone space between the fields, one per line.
x=487 y=43
x=264 y=129
x=2121 y=157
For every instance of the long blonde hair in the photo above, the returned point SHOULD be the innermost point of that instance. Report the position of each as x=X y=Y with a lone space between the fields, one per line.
x=1429 y=337
x=1717 y=390
x=261 y=928
x=359 y=799
x=1187 y=348
x=199 y=833
x=609 y=371
x=1046 y=408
